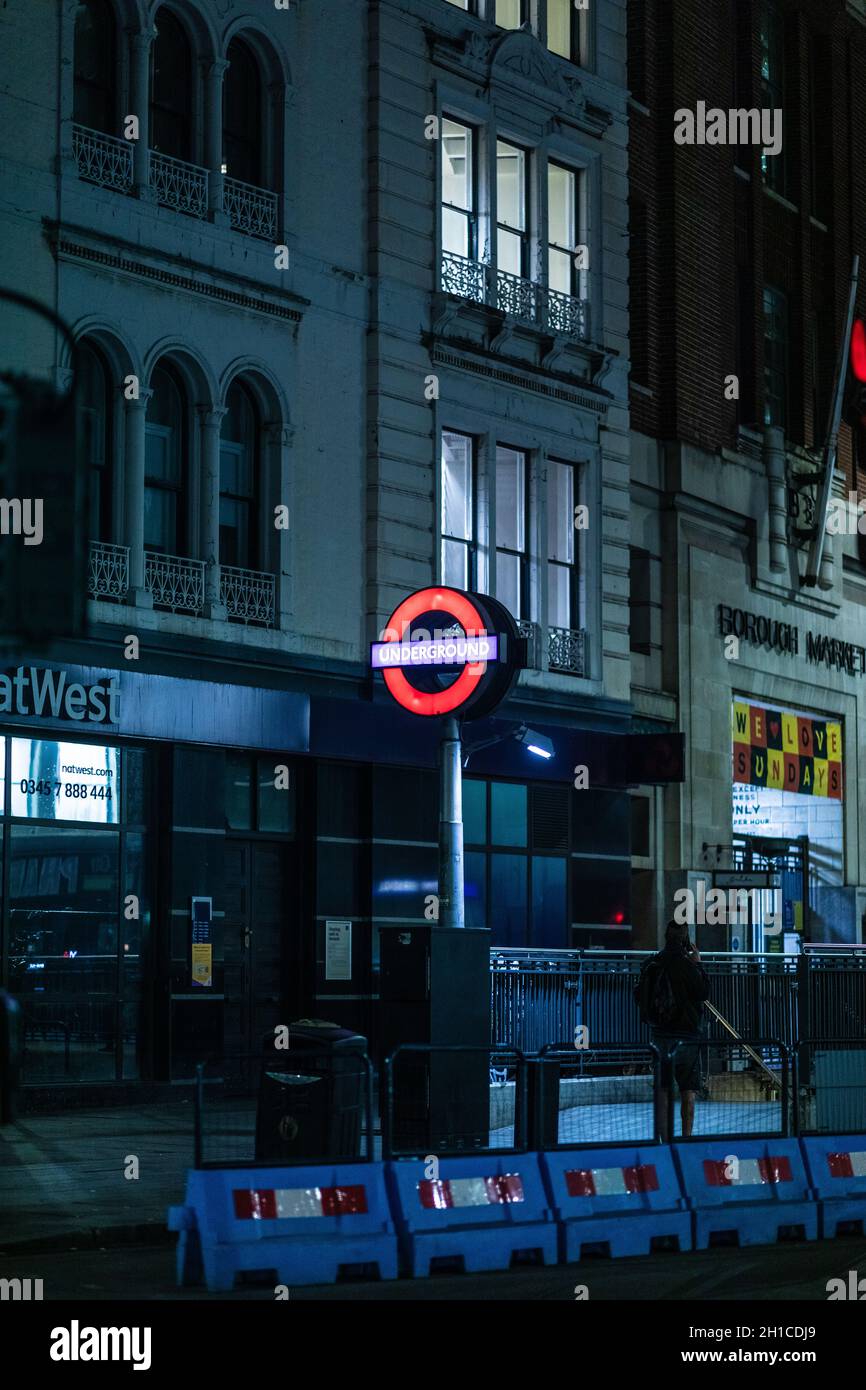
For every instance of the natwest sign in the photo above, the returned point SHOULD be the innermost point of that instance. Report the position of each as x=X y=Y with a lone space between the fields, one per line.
x=445 y=651
x=43 y=693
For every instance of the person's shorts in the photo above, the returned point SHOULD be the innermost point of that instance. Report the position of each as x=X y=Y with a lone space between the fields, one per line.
x=681 y=1062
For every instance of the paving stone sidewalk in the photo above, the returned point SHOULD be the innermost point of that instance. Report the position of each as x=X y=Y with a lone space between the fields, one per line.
x=62 y=1176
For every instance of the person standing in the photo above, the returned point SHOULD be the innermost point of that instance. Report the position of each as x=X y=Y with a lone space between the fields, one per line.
x=670 y=995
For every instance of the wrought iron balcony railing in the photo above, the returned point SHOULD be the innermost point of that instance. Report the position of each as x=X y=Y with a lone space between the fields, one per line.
x=102 y=159
x=515 y=295
x=174 y=582
x=179 y=185
x=251 y=210
x=107 y=161
x=567 y=315
x=108 y=571
x=530 y=632
x=566 y=650
x=464 y=277
x=249 y=596
x=520 y=297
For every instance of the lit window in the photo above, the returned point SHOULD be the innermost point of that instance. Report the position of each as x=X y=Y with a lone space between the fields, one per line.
x=458 y=189
x=458 y=510
x=511 y=238
x=510 y=14
x=511 y=530
x=562 y=597
x=562 y=228
x=562 y=29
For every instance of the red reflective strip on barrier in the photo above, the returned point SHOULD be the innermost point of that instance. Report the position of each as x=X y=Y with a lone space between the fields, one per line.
x=775 y=1170
x=435 y=1196
x=641 y=1179
x=509 y=1188
x=344 y=1201
x=840 y=1165
x=579 y=1182
x=715 y=1172
x=256 y=1204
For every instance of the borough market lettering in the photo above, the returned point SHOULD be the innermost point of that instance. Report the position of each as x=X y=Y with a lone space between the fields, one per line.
x=777 y=636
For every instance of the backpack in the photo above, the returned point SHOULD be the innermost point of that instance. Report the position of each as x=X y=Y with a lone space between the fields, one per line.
x=654 y=995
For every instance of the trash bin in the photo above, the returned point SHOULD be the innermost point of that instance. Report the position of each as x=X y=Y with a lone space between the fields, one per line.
x=311 y=1094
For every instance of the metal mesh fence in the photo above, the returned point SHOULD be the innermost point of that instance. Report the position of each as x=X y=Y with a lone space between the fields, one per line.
x=738 y=1088
x=593 y=1096
x=831 y=1086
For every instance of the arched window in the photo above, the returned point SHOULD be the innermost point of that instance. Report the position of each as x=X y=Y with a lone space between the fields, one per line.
x=171 y=89
x=95 y=412
x=95 y=101
x=242 y=116
x=164 y=464
x=239 y=448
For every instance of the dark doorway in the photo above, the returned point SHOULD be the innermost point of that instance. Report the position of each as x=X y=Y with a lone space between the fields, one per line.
x=258 y=922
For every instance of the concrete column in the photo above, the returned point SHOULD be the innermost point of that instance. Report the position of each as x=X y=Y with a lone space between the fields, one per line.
x=213 y=82
x=277 y=547
x=774 y=462
x=136 y=416
x=209 y=538
x=140 y=41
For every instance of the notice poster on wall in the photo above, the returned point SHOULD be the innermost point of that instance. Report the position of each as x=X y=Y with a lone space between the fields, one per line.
x=787 y=752
x=338 y=950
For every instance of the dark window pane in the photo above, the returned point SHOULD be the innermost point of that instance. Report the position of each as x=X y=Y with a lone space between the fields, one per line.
x=95 y=66
x=63 y=896
x=508 y=899
x=242 y=108
x=474 y=813
x=640 y=826
x=239 y=792
x=136 y=768
x=475 y=889
x=276 y=809
x=549 y=925
x=507 y=813
x=171 y=88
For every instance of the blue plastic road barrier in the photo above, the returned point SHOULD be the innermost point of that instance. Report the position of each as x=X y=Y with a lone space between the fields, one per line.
x=483 y=1210
x=298 y=1224
x=624 y=1198
x=751 y=1188
x=836 y=1165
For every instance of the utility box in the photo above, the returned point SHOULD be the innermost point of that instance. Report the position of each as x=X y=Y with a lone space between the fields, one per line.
x=311 y=1095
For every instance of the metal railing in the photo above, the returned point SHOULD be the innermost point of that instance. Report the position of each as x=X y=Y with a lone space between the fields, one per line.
x=515 y=295
x=250 y=209
x=108 y=570
x=179 y=185
x=174 y=582
x=249 y=595
x=102 y=159
x=539 y=997
x=566 y=650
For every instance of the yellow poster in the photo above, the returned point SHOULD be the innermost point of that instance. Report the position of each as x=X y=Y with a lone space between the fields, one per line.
x=202 y=964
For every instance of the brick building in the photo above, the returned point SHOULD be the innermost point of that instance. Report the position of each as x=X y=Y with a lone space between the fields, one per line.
x=739 y=268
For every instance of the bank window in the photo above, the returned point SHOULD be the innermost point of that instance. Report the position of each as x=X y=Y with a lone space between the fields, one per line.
x=776 y=356
x=458 y=189
x=512 y=240
x=458 y=510
x=65 y=781
x=562 y=216
x=511 y=503
x=259 y=793
x=563 y=598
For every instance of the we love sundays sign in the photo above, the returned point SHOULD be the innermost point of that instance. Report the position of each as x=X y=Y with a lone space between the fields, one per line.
x=787 y=751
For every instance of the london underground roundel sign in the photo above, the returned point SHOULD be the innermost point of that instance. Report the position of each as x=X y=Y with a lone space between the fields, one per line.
x=445 y=652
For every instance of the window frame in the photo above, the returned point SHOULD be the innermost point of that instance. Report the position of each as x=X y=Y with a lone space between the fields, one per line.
x=576 y=39
x=471 y=214
x=578 y=288
x=471 y=545
x=100 y=476
x=256 y=141
x=179 y=489
x=771 y=371
x=187 y=114
x=107 y=89
x=575 y=566
x=252 y=499
x=523 y=234
x=522 y=555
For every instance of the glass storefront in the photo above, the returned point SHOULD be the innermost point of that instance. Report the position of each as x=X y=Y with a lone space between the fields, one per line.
x=75 y=904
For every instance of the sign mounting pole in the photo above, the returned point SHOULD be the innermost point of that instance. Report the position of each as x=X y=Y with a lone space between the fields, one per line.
x=451 y=912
